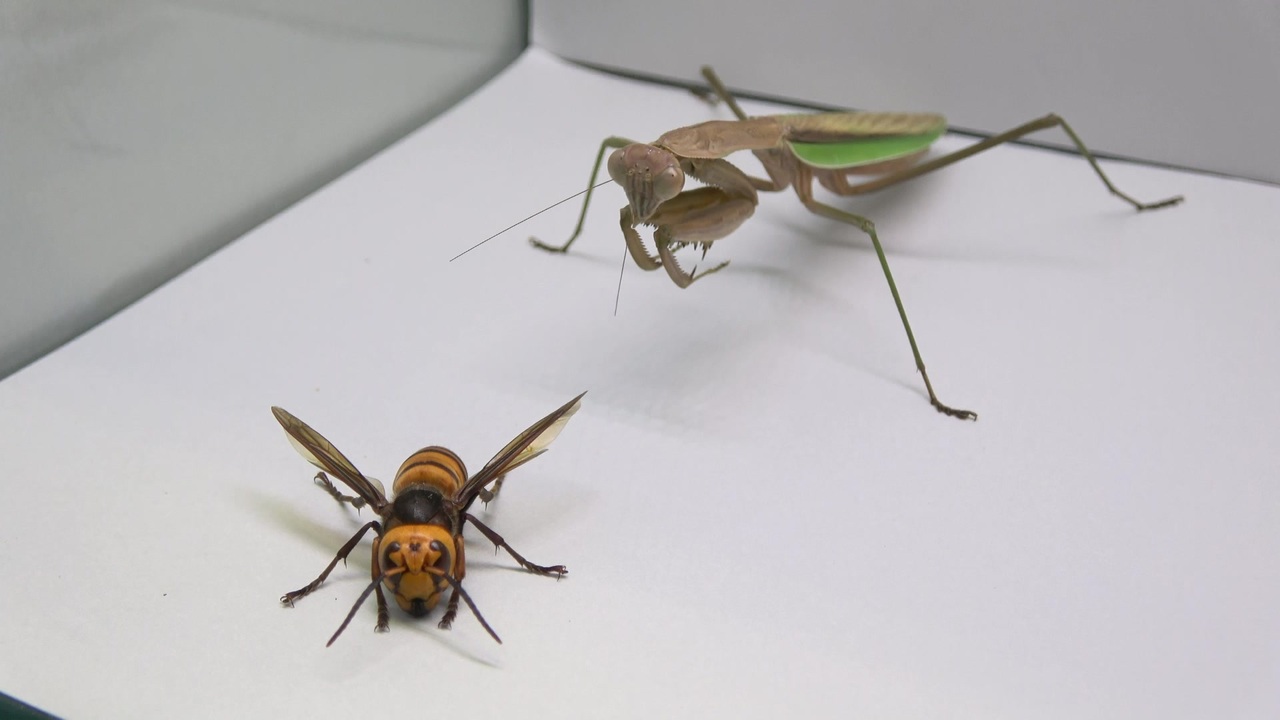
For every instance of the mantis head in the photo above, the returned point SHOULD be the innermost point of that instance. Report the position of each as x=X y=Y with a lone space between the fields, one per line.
x=650 y=176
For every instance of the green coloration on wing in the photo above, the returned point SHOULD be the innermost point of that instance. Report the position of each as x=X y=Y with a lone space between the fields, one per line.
x=862 y=151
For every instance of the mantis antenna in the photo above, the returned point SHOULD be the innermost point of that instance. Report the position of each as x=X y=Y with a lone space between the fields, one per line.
x=473 y=247
x=618 y=297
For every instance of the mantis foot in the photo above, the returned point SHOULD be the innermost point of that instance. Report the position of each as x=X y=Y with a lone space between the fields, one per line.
x=1157 y=205
x=958 y=414
x=549 y=248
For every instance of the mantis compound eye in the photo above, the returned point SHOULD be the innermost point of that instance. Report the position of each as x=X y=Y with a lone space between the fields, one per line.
x=649 y=175
x=668 y=183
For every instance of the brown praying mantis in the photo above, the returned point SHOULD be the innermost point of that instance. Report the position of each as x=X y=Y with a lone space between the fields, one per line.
x=795 y=150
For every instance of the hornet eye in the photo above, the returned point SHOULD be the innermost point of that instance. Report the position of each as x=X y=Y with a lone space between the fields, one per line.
x=389 y=550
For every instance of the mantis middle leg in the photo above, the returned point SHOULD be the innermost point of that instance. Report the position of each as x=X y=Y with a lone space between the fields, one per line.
x=804 y=188
x=614 y=143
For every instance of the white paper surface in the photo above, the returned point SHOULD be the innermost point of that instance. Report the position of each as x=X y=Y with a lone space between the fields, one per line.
x=761 y=514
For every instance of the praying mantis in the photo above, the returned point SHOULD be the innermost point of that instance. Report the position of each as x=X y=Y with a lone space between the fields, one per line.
x=795 y=150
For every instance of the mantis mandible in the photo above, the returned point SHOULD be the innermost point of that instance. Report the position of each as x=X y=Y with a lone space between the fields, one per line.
x=795 y=150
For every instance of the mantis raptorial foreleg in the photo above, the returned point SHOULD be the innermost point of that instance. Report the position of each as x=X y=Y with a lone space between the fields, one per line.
x=697 y=217
x=692 y=217
x=663 y=239
x=635 y=245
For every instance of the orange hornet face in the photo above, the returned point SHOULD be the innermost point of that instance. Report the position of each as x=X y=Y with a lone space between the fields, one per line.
x=650 y=176
x=425 y=552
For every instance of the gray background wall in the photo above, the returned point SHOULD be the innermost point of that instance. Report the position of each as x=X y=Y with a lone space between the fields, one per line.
x=137 y=136
x=1192 y=83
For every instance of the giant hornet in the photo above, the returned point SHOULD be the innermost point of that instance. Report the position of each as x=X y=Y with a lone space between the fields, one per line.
x=419 y=550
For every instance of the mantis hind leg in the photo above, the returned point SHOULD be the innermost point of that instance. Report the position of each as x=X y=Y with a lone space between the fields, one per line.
x=804 y=187
x=838 y=181
x=777 y=162
x=722 y=92
x=609 y=142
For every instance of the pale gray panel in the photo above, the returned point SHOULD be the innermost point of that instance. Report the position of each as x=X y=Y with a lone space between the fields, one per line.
x=1191 y=84
x=138 y=136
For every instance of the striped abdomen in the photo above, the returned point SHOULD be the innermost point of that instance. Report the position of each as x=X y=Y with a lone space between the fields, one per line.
x=434 y=467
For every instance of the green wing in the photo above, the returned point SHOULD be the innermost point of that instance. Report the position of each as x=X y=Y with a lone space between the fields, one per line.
x=833 y=141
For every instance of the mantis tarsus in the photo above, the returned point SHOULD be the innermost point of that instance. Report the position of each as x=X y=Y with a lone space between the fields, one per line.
x=795 y=150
